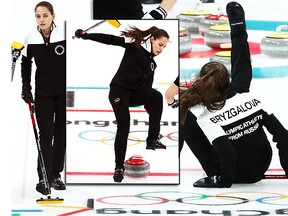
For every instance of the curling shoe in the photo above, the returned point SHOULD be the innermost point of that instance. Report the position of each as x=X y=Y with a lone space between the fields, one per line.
x=236 y=17
x=155 y=144
x=211 y=182
x=40 y=187
x=58 y=184
x=118 y=175
x=235 y=13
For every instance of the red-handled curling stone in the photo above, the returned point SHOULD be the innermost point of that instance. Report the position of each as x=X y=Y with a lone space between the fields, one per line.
x=211 y=20
x=136 y=166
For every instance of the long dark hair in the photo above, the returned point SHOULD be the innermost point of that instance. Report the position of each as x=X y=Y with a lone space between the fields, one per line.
x=139 y=36
x=209 y=90
x=45 y=4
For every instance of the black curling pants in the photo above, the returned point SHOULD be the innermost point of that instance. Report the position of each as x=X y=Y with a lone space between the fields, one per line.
x=199 y=145
x=121 y=99
x=51 y=119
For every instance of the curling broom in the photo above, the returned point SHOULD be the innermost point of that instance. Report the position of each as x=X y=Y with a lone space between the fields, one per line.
x=49 y=200
x=16 y=48
x=114 y=23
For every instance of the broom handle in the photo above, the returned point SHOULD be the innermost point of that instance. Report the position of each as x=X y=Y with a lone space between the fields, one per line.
x=97 y=24
x=86 y=30
x=41 y=159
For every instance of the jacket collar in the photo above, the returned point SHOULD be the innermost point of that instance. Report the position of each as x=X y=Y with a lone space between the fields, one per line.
x=147 y=45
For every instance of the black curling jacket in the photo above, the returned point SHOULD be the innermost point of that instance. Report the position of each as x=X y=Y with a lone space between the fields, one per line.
x=176 y=81
x=237 y=131
x=50 y=60
x=137 y=67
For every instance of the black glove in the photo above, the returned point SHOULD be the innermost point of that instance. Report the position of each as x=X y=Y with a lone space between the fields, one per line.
x=79 y=33
x=212 y=182
x=174 y=104
x=158 y=14
x=26 y=94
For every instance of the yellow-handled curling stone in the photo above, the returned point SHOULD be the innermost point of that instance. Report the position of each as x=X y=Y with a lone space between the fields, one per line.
x=276 y=43
x=223 y=57
x=185 y=41
x=190 y=19
x=217 y=36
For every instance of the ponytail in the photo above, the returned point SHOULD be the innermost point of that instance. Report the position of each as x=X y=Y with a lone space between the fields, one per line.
x=138 y=36
x=210 y=90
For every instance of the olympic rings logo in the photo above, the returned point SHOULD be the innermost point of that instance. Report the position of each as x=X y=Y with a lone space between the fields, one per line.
x=107 y=137
x=191 y=198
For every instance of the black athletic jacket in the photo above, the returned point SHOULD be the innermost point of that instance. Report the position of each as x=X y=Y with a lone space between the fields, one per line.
x=117 y=9
x=176 y=81
x=50 y=61
x=237 y=131
x=137 y=67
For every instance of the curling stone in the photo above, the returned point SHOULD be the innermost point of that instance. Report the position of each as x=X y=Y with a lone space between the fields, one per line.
x=186 y=83
x=223 y=57
x=190 y=19
x=136 y=166
x=217 y=35
x=185 y=41
x=212 y=20
x=275 y=44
